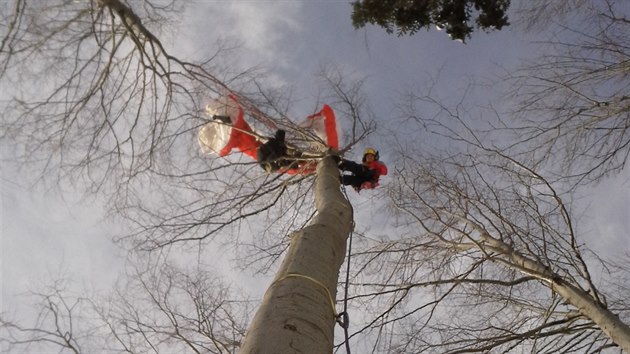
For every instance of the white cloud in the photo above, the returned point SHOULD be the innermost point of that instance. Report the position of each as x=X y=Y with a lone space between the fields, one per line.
x=263 y=24
x=260 y=25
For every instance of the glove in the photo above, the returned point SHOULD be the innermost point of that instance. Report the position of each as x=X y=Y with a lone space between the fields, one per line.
x=280 y=135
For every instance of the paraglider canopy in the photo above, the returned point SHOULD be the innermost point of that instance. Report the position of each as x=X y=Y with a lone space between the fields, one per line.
x=228 y=130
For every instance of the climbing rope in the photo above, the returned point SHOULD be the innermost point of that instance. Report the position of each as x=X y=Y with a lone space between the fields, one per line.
x=343 y=319
x=321 y=285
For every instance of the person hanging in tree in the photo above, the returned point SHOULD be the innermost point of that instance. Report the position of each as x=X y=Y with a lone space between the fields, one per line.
x=365 y=175
x=274 y=155
x=227 y=130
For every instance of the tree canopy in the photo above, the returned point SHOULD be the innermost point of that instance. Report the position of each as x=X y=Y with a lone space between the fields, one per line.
x=407 y=17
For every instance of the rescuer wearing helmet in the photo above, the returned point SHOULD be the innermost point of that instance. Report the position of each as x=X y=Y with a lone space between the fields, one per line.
x=365 y=175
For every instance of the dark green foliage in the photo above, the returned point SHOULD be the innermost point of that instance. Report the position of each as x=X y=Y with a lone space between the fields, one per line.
x=409 y=16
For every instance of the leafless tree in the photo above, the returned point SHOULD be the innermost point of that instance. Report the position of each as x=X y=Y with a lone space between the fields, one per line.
x=573 y=102
x=514 y=260
x=157 y=309
x=104 y=85
x=502 y=247
x=116 y=113
x=540 y=15
x=491 y=255
x=490 y=259
x=298 y=313
x=97 y=97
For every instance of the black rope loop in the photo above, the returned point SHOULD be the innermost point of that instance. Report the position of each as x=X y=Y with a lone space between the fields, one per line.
x=343 y=319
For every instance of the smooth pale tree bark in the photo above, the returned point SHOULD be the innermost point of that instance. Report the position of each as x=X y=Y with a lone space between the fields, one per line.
x=297 y=314
x=585 y=303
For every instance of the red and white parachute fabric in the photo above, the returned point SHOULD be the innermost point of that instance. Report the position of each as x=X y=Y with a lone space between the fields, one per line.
x=324 y=125
x=228 y=130
x=220 y=137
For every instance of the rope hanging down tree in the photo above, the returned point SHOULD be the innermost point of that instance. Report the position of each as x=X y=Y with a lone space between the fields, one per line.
x=343 y=318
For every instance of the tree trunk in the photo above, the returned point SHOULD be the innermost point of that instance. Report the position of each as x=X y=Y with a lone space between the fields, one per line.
x=609 y=322
x=605 y=319
x=297 y=312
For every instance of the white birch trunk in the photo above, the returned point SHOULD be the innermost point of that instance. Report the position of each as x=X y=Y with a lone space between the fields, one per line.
x=296 y=314
x=609 y=322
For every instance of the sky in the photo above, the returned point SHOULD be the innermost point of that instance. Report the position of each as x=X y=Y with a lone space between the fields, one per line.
x=45 y=233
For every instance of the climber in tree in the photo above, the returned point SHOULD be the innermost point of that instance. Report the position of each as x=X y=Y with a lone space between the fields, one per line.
x=365 y=175
x=274 y=155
